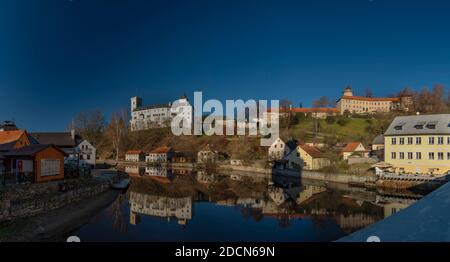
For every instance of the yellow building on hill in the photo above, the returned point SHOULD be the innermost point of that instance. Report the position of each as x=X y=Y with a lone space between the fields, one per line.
x=419 y=144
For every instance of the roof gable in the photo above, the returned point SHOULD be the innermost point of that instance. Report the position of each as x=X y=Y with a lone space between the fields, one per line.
x=353 y=146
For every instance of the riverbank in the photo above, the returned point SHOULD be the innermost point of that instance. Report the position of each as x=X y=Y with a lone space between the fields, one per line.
x=56 y=224
x=401 y=182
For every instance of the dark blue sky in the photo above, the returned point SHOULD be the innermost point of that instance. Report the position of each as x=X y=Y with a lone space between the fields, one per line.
x=59 y=57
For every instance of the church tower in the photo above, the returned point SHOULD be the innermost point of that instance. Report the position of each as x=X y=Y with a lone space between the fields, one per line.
x=135 y=103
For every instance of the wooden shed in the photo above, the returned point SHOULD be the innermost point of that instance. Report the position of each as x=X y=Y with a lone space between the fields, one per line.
x=36 y=163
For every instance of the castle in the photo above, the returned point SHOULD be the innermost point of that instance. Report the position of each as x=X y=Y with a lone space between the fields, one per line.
x=358 y=104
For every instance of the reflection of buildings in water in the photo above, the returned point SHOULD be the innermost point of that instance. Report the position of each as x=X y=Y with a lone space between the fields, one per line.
x=180 y=208
x=135 y=170
x=309 y=191
x=161 y=174
x=395 y=202
x=250 y=202
x=226 y=202
x=277 y=194
x=204 y=178
x=393 y=208
x=180 y=171
x=235 y=177
x=355 y=221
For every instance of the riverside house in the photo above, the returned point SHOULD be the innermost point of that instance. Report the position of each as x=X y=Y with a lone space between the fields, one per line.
x=278 y=150
x=312 y=157
x=161 y=154
x=419 y=144
x=135 y=156
x=354 y=149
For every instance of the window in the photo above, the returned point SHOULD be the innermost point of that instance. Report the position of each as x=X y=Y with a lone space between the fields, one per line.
x=431 y=156
x=402 y=155
x=393 y=155
x=448 y=156
x=448 y=140
x=410 y=155
x=418 y=140
x=440 y=140
x=402 y=141
x=410 y=140
x=88 y=157
x=393 y=141
x=441 y=156
x=418 y=155
x=431 y=140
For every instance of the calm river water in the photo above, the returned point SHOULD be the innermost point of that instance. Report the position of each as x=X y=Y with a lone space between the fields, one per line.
x=180 y=205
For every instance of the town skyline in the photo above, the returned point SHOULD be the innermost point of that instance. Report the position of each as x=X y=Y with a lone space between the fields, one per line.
x=88 y=55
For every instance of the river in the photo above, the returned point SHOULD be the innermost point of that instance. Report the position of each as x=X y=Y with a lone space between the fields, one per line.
x=180 y=205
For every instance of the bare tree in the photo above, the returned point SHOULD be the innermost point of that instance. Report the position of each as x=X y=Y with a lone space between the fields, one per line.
x=117 y=130
x=323 y=101
x=285 y=104
x=368 y=92
x=90 y=125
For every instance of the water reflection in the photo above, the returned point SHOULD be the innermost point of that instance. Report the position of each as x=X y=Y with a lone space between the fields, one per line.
x=165 y=204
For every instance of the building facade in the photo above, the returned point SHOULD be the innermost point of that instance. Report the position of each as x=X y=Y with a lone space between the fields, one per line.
x=354 y=149
x=160 y=155
x=363 y=105
x=419 y=144
x=312 y=157
x=135 y=156
x=278 y=150
x=157 y=116
x=87 y=152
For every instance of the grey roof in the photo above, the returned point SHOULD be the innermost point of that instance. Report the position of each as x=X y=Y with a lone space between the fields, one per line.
x=7 y=146
x=378 y=140
x=60 y=139
x=420 y=124
x=30 y=150
x=151 y=107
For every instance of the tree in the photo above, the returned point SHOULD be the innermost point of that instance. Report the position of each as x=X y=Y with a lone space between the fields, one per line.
x=323 y=101
x=90 y=125
x=368 y=92
x=285 y=104
x=117 y=130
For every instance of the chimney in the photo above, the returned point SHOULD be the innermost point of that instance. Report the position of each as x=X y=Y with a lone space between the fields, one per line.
x=72 y=133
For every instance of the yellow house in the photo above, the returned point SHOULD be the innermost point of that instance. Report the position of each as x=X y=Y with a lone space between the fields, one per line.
x=312 y=157
x=419 y=144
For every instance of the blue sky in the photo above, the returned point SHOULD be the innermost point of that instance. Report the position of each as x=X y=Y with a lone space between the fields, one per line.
x=59 y=57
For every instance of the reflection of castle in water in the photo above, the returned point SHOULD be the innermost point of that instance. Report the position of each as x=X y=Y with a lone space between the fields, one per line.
x=144 y=204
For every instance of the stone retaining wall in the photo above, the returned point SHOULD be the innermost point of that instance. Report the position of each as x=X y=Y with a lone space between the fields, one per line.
x=30 y=203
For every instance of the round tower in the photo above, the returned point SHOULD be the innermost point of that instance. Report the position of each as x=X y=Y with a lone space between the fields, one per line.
x=348 y=91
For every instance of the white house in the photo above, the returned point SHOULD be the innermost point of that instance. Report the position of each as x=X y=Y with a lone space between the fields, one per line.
x=87 y=152
x=156 y=116
x=135 y=156
x=278 y=150
x=354 y=148
x=160 y=155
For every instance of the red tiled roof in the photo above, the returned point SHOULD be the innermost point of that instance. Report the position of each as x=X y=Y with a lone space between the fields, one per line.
x=135 y=152
x=312 y=151
x=315 y=110
x=350 y=147
x=308 y=110
x=10 y=136
x=161 y=150
x=374 y=99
